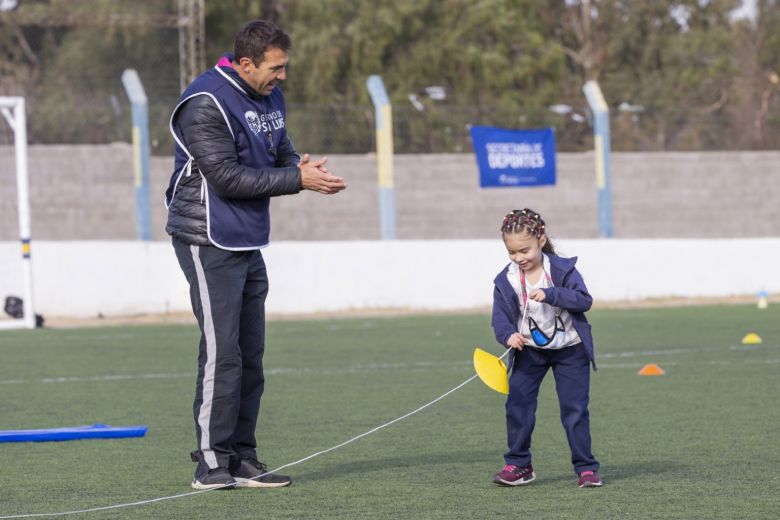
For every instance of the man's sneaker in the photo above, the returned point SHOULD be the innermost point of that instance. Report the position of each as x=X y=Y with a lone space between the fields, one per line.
x=252 y=473
x=217 y=478
x=513 y=475
x=589 y=479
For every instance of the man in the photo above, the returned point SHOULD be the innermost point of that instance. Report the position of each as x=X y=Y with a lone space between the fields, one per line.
x=232 y=155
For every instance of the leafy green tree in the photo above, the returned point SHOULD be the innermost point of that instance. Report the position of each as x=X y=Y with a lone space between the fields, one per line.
x=755 y=96
x=769 y=58
x=693 y=77
x=81 y=49
x=487 y=56
x=669 y=57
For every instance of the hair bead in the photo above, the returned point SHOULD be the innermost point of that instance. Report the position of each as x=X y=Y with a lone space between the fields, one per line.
x=527 y=219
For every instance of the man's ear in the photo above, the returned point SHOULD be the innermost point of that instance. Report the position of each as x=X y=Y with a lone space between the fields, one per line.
x=245 y=64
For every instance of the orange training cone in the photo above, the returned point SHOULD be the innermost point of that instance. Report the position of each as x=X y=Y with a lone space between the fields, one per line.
x=751 y=339
x=651 y=370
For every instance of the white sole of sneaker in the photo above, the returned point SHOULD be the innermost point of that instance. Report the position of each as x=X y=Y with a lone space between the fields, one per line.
x=521 y=482
x=249 y=483
x=592 y=484
x=203 y=487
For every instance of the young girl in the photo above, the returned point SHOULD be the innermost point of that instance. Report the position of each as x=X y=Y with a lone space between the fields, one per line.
x=539 y=305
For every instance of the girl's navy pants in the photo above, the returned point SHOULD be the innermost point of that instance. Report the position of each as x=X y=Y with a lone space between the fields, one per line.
x=571 y=369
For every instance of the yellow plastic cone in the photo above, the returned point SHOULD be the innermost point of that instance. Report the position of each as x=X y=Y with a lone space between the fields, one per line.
x=751 y=338
x=491 y=370
x=651 y=369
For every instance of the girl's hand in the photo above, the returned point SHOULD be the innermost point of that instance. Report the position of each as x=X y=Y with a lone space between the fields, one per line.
x=537 y=295
x=516 y=340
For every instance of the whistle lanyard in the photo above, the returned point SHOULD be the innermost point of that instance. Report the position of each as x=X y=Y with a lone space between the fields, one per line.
x=523 y=290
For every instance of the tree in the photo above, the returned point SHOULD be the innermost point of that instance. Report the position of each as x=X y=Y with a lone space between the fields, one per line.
x=488 y=56
x=80 y=50
x=670 y=57
x=756 y=91
x=694 y=78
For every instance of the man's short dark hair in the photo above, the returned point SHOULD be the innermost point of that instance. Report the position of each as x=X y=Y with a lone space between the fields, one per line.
x=256 y=37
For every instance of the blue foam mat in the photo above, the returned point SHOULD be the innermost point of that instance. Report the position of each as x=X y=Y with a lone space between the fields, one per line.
x=95 y=431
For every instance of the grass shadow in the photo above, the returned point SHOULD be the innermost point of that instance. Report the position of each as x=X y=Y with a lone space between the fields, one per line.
x=615 y=473
x=381 y=464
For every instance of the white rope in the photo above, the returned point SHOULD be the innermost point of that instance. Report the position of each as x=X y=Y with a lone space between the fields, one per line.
x=309 y=457
x=369 y=432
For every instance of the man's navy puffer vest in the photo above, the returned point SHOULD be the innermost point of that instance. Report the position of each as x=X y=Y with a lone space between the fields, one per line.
x=257 y=126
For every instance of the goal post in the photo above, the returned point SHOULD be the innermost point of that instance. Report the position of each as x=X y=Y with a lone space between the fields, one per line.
x=13 y=110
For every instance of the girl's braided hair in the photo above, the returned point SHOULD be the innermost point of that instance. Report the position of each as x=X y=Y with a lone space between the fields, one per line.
x=529 y=221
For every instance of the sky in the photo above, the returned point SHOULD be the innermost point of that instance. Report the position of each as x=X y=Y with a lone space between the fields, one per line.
x=748 y=10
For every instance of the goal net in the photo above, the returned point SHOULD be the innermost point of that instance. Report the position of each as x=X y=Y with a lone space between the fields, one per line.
x=16 y=299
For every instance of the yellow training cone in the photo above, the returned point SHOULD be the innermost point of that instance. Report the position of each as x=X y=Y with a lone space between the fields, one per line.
x=491 y=370
x=651 y=370
x=751 y=339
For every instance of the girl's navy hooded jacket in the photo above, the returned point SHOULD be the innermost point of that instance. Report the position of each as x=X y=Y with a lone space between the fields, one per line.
x=569 y=293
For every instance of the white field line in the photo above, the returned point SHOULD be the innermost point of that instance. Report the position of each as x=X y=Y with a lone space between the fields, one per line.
x=82 y=379
x=355 y=369
x=747 y=361
x=409 y=367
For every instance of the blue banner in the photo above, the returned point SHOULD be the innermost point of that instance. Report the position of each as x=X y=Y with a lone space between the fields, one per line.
x=514 y=157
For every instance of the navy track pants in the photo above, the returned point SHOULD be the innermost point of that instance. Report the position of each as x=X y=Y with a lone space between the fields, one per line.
x=227 y=291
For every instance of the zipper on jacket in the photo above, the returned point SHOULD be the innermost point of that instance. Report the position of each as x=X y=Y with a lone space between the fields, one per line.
x=202 y=190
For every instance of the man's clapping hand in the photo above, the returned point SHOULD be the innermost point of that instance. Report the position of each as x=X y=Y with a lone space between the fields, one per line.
x=316 y=177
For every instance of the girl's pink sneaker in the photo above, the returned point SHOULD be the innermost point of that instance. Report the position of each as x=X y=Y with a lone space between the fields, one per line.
x=513 y=475
x=589 y=479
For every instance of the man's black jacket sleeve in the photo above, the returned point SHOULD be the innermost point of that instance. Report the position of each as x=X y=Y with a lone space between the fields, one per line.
x=209 y=141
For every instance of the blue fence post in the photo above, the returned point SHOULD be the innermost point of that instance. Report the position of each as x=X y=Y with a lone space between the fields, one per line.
x=140 y=111
x=600 y=109
x=384 y=154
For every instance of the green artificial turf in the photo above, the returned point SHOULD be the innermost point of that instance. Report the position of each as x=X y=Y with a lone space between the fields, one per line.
x=698 y=442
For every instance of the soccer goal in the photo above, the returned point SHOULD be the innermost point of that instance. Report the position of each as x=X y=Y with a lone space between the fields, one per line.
x=15 y=264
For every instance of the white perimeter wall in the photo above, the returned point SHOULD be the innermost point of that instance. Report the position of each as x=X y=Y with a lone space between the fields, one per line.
x=85 y=278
